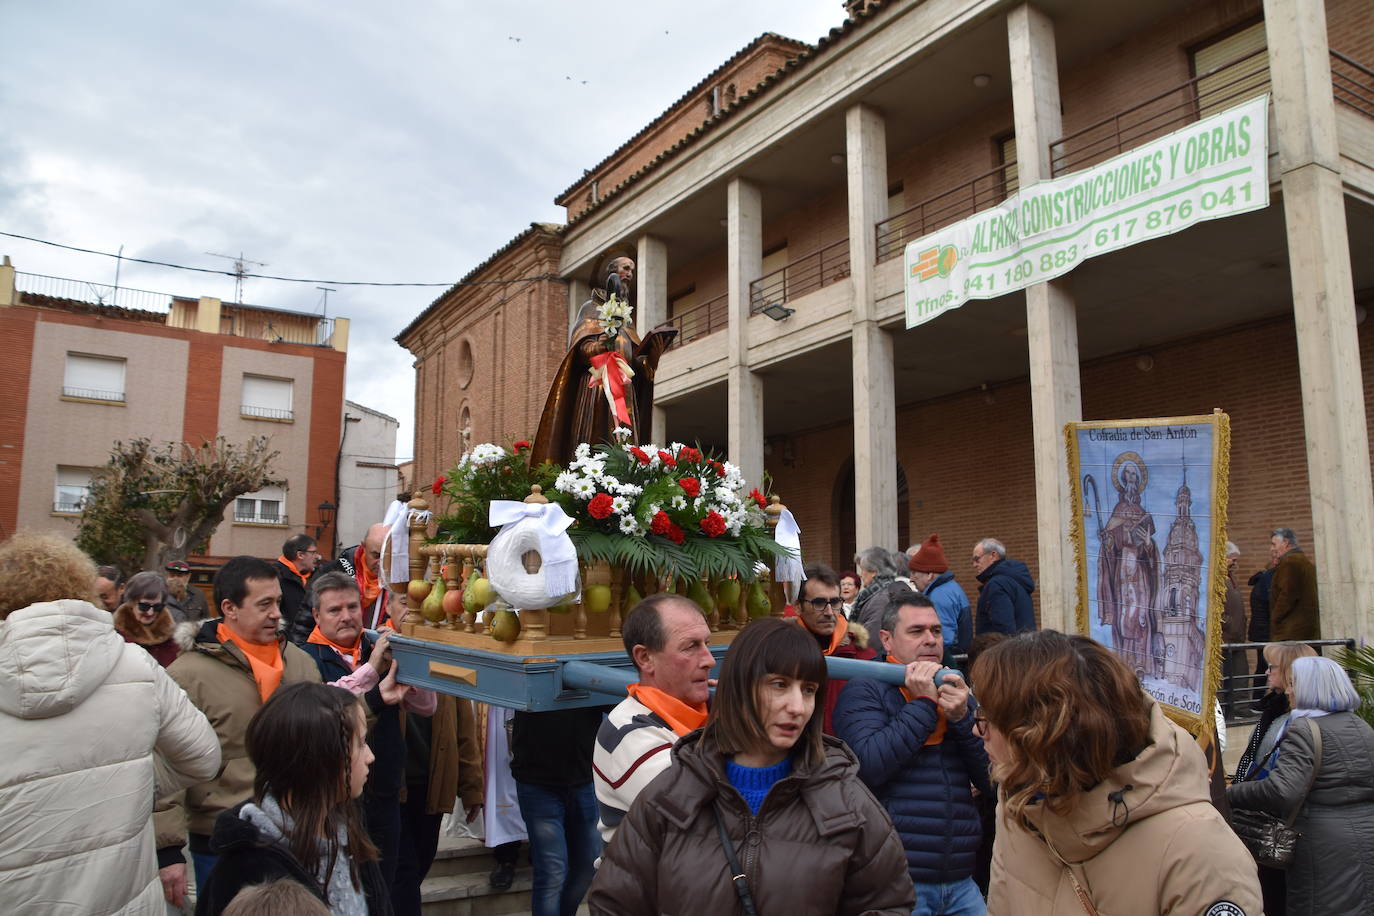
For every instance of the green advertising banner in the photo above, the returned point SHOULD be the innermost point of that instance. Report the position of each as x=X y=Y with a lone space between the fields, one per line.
x=1214 y=168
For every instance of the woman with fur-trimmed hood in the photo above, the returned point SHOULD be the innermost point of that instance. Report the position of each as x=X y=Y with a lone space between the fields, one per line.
x=143 y=618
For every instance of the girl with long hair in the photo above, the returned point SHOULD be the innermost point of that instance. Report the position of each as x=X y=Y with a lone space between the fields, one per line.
x=308 y=743
x=1103 y=803
x=758 y=803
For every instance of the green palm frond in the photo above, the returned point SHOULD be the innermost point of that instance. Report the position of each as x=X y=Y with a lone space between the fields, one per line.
x=1359 y=664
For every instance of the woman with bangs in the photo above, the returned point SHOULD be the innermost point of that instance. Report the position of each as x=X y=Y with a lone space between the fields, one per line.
x=309 y=745
x=1103 y=804
x=760 y=811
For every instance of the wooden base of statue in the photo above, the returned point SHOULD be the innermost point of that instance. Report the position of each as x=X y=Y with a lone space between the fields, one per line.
x=547 y=646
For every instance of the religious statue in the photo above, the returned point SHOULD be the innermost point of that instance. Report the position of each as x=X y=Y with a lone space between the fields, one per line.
x=606 y=380
x=1128 y=568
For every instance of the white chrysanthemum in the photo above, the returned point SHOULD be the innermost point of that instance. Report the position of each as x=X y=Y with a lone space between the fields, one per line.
x=583 y=450
x=629 y=525
x=679 y=502
x=676 y=448
x=584 y=488
x=622 y=433
x=565 y=482
x=486 y=454
x=699 y=504
x=651 y=510
x=630 y=489
x=620 y=505
x=725 y=495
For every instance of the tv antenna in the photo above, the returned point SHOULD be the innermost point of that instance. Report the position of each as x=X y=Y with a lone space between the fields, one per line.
x=240 y=270
x=324 y=299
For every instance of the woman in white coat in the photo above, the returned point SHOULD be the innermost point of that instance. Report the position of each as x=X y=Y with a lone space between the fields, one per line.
x=94 y=731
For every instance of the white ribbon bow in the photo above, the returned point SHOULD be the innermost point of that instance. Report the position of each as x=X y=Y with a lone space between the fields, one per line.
x=557 y=553
x=787 y=534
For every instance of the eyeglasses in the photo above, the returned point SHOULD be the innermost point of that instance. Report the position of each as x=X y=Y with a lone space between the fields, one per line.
x=820 y=604
x=151 y=607
x=980 y=724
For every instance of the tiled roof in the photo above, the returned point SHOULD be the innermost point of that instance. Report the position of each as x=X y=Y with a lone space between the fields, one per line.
x=534 y=228
x=710 y=77
x=745 y=99
x=79 y=307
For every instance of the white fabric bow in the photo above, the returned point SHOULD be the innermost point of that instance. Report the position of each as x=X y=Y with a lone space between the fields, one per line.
x=788 y=534
x=557 y=554
x=397 y=517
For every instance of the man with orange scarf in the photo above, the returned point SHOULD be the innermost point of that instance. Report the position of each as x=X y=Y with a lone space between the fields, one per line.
x=818 y=611
x=920 y=756
x=667 y=638
x=363 y=563
x=238 y=660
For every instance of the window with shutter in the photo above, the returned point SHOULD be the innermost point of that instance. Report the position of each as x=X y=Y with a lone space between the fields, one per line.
x=1246 y=77
x=71 y=489
x=94 y=378
x=267 y=398
x=265 y=507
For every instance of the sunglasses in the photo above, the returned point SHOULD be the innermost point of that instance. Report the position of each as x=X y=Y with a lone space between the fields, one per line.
x=820 y=604
x=151 y=606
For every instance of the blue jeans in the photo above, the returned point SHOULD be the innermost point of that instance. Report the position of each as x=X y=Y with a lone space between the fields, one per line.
x=564 y=844
x=203 y=862
x=957 y=898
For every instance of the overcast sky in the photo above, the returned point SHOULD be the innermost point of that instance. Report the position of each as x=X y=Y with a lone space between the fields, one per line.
x=336 y=140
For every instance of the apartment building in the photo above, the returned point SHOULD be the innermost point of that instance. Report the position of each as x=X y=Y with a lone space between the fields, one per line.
x=82 y=375
x=771 y=234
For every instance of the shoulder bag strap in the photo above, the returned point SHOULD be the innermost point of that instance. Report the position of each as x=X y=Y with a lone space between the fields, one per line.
x=1312 y=778
x=738 y=878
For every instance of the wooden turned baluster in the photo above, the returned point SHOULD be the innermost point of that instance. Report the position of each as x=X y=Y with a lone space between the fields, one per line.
x=449 y=569
x=742 y=608
x=469 y=617
x=713 y=613
x=617 y=595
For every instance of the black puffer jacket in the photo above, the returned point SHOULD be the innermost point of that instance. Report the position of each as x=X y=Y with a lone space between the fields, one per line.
x=820 y=843
x=246 y=859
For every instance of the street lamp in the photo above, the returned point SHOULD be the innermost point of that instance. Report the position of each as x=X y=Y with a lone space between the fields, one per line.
x=326 y=511
x=777 y=311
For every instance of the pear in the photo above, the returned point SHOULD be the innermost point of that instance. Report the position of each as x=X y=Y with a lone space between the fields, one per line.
x=632 y=597
x=453 y=601
x=433 y=607
x=470 y=602
x=597 y=598
x=727 y=595
x=758 y=602
x=698 y=593
x=505 y=626
x=563 y=607
x=418 y=590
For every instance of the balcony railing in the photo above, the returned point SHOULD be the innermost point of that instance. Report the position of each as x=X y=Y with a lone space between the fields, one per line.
x=1207 y=93
x=266 y=413
x=980 y=193
x=68 y=506
x=701 y=319
x=1352 y=84
x=88 y=291
x=93 y=394
x=260 y=518
x=804 y=275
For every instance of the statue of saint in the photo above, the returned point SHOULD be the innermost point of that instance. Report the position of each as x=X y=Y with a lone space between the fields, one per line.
x=605 y=380
x=1128 y=569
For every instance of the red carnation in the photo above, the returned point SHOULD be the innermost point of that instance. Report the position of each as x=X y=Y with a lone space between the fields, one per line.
x=600 y=506
x=691 y=486
x=675 y=534
x=689 y=455
x=520 y=446
x=719 y=468
x=640 y=455
x=667 y=459
x=713 y=524
x=438 y=487
x=758 y=497
x=660 y=523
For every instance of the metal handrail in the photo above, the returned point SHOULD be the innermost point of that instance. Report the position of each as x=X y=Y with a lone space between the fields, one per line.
x=701 y=319
x=93 y=394
x=1125 y=135
x=1237 y=690
x=1349 y=90
x=803 y=275
x=959 y=202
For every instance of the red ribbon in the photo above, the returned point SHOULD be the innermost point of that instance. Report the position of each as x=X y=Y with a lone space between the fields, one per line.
x=609 y=373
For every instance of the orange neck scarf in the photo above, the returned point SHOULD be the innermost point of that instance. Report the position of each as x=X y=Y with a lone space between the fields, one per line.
x=941 y=723
x=837 y=636
x=265 y=661
x=355 y=652
x=680 y=717
x=368 y=584
x=292 y=566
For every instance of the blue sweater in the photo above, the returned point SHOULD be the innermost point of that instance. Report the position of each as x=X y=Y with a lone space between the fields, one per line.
x=753 y=783
x=926 y=790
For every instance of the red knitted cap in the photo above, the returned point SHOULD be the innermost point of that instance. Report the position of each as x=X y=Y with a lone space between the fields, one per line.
x=930 y=558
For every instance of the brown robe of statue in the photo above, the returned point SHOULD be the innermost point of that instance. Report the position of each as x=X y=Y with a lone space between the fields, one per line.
x=575 y=412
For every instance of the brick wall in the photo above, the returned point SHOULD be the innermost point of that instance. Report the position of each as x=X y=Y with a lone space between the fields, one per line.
x=968 y=460
x=1350 y=29
x=16 y=329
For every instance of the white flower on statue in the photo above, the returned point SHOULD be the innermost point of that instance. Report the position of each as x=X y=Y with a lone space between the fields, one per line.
x=565 y=482
x=630 y=489
x=629 y=525
x=485 y=454
x=620 y=505
x=725 y=495
x=622 y=433
x=583 y=450
x=679 y=502
x=584 y=488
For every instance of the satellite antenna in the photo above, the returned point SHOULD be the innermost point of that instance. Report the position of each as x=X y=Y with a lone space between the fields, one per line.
x=240 y=271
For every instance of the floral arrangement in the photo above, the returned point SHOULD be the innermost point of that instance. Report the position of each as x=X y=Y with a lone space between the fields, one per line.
x=674 y=510
x=612 y=314
x=485 y=473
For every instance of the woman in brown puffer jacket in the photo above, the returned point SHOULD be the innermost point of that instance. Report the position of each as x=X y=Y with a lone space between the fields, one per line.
x=808 y=835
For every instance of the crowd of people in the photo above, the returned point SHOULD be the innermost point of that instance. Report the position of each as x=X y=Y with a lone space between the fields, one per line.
x=269 y=748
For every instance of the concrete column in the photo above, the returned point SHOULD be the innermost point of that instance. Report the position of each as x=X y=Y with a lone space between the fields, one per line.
x=658 y=426
x=1324 y=316
x=8 y=296
x=1051 y=319
x=578 y=293
x=651 y=283
x=875 y=420
x=744 y=264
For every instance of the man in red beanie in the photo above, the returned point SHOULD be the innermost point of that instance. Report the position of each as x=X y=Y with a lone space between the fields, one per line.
x=931 y=574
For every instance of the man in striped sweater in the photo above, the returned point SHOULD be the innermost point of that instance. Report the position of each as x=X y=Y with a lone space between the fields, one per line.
x=667 y=638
